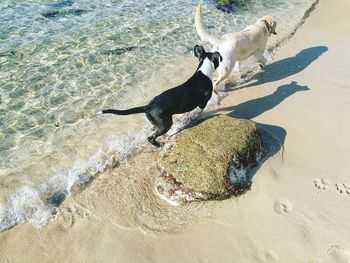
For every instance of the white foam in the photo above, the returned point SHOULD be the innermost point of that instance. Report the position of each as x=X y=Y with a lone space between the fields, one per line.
x=177 y=197
x=39 y=203
x=183 y=120
x=238 y=174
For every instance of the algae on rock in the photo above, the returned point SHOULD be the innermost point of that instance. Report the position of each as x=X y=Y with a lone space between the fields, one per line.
x=200 y=161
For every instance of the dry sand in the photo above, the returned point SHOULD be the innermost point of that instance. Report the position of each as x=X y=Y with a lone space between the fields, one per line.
x=298 y=209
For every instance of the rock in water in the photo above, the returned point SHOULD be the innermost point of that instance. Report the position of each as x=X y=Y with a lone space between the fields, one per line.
x=209 y=161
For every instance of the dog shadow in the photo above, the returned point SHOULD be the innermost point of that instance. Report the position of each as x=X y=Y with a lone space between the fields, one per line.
x=253 y=108
x=286 y=67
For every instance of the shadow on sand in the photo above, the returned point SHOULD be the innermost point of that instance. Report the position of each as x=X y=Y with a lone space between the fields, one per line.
x=253 y=108
x=287 y=67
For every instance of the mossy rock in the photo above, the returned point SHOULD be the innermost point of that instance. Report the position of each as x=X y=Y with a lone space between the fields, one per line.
x=209 y=160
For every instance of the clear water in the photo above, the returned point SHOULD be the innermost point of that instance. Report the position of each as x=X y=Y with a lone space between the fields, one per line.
x=57 y=72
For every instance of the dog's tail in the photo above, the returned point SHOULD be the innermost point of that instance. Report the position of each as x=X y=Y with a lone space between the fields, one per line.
x=203 y=33
x=124 y=112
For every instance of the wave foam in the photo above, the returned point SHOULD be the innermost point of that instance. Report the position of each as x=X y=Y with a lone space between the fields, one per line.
x=39 y=203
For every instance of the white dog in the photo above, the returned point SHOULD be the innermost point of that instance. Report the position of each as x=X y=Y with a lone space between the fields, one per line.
x=238 y=46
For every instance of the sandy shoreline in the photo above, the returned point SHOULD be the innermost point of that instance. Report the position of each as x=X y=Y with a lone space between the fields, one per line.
x=297 y=210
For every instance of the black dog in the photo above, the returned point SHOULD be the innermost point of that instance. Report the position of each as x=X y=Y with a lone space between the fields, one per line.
x=194 y=92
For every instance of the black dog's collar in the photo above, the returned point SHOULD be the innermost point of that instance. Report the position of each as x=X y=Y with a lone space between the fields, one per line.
x=269 y=28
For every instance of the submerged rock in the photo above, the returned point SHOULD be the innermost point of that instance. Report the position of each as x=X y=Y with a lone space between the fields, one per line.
x=229 y=6
x=118 y=51
x=61 y=13
x=209 y=161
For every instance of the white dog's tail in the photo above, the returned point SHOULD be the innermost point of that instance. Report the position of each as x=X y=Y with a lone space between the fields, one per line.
x=203 y=34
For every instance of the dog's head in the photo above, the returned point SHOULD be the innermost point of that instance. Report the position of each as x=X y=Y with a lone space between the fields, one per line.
x=214 y=57
x=270 y=23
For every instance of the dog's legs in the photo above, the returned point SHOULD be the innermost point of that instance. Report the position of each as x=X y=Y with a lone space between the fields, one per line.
x=236 y=67
x=224 y=72
x=259 y=56
x=236 y=73
x=161 y=125
x=222 y=80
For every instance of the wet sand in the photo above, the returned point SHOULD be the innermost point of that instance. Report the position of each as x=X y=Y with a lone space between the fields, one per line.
x=297 y=210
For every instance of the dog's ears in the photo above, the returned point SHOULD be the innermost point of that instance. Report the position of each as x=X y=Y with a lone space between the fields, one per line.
x=216 y=58
x=271 y=24
x=217 y=55
x=198 y=51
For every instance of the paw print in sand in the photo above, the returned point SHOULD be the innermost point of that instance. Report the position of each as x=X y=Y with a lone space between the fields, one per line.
x=321 y=183
x=283 y=206
x=343 y=188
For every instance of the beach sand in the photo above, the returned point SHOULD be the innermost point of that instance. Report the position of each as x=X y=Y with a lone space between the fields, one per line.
x=297 y=210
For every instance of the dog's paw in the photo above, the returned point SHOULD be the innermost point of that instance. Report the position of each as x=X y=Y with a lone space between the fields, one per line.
x=157 y=144
x=99 y=113
x=154 y=142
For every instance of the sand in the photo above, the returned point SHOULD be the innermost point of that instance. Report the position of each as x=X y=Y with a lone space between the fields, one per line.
x=298 y=208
